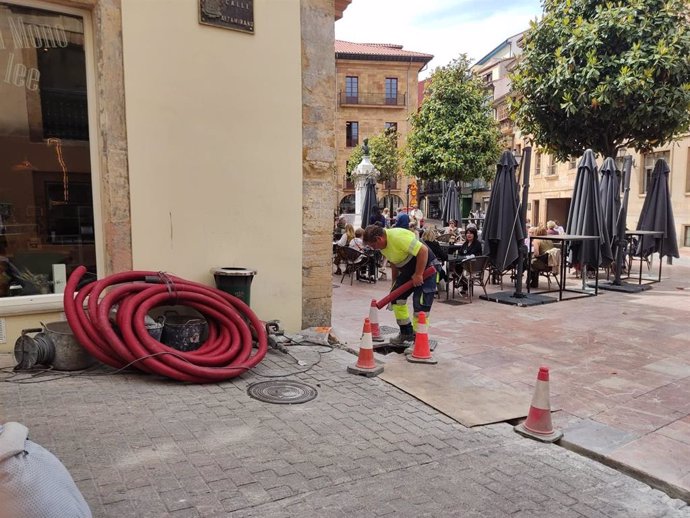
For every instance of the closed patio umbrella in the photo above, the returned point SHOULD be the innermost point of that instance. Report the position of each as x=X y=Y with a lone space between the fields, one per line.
x=610 y=198
x=503 y=227
x=657 y=214
x=451 y=205
x=586 y=218
x=369 y=201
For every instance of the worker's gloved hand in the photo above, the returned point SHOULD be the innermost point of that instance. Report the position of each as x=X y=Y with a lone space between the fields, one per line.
x=417 y=280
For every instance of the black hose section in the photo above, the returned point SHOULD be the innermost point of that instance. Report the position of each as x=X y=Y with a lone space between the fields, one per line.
x=228 y=351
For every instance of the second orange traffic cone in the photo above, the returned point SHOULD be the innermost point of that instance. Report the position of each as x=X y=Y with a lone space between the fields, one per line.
x=366 y=364
x=374 y=320
x=538 y=423
x=421 y=352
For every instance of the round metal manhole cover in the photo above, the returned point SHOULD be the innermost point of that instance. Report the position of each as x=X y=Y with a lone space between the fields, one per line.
x=282 y=392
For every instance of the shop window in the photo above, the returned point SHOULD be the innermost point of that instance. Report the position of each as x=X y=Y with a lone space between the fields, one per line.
x=46 y=203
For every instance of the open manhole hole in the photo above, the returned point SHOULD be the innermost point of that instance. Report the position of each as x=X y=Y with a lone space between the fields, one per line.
x=282 y=392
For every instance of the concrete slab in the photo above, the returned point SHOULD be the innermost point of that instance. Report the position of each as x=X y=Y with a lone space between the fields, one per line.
x=596 y=437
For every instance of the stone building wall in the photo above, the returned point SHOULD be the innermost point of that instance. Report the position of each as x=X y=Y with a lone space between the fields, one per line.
x=318 y=157
x=372 y=119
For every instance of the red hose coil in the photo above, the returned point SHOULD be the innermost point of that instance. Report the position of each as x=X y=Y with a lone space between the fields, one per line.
x=227 y=352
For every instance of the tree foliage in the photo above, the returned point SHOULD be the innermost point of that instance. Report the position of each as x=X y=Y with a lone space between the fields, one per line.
x=454 y=135
x=383 y=153
x=605 y=75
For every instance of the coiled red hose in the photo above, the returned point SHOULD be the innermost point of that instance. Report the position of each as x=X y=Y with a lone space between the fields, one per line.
x=232 y=325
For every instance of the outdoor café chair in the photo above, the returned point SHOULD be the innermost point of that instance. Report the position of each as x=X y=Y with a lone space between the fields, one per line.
x=474 y=273
x=353 y=263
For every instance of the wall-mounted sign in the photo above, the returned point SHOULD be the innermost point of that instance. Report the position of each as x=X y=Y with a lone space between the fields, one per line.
x=228 y=14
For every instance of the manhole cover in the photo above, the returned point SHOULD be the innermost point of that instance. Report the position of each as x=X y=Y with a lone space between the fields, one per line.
x=387 y=330
x=282 y=392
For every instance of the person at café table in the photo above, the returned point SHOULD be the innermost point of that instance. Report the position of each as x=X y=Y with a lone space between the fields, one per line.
x=402 y=221
x=540 y=260
x=376 y=217
x=409 y=258
x=429 y=238
x=452 y=228
x=345 y=240
x=472 y=245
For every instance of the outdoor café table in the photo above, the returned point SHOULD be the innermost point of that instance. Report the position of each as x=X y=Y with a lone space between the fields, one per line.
x=451 y=249
x=452 y=261
x=566 y=240
x=640 y=233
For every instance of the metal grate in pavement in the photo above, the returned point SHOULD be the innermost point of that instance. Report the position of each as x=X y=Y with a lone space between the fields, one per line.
x=282 y=392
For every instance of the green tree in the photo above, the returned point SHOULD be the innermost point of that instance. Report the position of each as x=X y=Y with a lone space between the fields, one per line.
x=454 y=135
x=383 y=153
x=604 y=75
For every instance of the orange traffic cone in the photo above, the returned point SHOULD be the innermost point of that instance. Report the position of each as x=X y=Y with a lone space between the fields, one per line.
x=366 y=364
x=374 y=320
x=538 y=423
x=421 y=352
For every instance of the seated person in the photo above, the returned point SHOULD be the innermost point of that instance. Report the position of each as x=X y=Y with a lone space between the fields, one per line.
x=357 y=243
x=453 y=230
x=452 y=227
x=551 y=228
x=402 y=221
x=472 y=245
x=377 y=218
x=540 y=262
x=344 y=240
x=368 y=262
x=429 y=238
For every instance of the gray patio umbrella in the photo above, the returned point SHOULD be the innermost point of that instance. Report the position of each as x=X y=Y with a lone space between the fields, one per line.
x=610 y=198
x=369 y=201
x=503 y=227
x=657 y=214
x=451 y=205
x=586 y=218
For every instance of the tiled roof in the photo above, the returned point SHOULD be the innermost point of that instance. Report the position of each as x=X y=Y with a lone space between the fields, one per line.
x=378 y=51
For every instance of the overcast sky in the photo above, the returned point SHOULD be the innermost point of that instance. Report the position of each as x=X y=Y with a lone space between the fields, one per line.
x=444 y=28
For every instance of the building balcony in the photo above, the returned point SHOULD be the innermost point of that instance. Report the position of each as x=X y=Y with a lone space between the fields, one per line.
x=391 y=185
x=372 y=99
x=431 y=187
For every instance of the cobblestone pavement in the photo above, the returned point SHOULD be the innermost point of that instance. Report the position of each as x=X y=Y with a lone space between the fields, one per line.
x=147 y=447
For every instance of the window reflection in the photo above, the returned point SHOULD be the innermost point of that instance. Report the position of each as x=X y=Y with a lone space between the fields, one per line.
x=46 y=203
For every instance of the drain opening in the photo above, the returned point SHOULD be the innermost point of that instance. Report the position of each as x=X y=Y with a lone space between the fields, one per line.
x=282 y=392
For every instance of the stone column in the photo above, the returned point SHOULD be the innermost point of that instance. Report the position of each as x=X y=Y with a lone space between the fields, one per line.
x=318 y=163
x=364 y=170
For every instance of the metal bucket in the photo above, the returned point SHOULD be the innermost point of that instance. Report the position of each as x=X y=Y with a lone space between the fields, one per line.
x=184 y=333
x=69 y=354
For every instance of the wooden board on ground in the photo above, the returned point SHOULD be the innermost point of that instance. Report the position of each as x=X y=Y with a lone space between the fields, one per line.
x=469 y=398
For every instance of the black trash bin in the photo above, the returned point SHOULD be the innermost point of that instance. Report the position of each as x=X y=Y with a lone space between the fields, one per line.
x=235 y=281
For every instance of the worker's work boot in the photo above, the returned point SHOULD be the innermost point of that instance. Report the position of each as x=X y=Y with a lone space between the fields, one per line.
x=402 y=338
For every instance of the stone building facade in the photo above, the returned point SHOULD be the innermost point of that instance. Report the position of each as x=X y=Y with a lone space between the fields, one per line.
x=120 y=154
x=376 y=89
x=552 y=182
